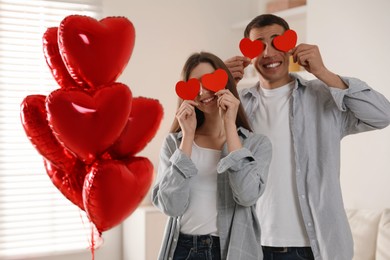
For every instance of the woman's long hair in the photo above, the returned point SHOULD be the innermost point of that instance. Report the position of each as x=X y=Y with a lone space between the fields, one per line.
x=206 y=57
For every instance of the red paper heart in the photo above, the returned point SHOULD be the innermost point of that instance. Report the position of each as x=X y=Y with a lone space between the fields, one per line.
x=35 y=124
x=215 y=81
x=114 y=189
x=188 y=90
x=286 y=41
x=69 y=182
x=54 y=60
x=96 y=52
x=87 y=124
x=251 y=49
x=144 y=121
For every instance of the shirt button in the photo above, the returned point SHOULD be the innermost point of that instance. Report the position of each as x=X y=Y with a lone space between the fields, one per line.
x=303 y=196
x=309 y=224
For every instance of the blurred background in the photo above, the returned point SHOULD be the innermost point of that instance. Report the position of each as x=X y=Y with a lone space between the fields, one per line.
x=37 y=222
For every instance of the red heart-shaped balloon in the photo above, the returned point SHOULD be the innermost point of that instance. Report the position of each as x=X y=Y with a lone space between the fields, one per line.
x=286 y=41
x=95 y=52
x=215 y=81
x=34 y=120
x=251 y=49
x=114 y=189
x=144 y=121
x=188 y=90
x=88 y=123
x=69 y=182
x=54 y=60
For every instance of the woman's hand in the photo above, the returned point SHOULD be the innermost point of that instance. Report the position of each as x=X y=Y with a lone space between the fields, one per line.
x=186 y=117
x=228 y=106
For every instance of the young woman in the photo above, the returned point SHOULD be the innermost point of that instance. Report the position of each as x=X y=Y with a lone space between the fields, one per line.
x=212 y=171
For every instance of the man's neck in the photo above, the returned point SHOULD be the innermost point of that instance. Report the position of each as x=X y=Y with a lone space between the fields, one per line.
x=272 y=84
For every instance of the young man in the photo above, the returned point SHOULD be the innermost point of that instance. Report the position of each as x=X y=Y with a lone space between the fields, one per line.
x=301 y=212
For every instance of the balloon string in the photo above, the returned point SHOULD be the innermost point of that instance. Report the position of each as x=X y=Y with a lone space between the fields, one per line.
x=95 y=239
x=92 y=243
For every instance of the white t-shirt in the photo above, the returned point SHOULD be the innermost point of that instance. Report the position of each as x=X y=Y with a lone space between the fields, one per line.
x=278 y=208
x=200 y=217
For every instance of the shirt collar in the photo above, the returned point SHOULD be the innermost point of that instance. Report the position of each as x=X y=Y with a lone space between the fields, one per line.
x=252 y=91
x=243 y=132
x=300 y=82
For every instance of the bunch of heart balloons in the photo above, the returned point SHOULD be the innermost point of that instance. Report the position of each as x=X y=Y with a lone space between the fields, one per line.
x=90 y=128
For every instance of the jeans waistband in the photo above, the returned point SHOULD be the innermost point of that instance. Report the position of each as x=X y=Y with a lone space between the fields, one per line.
x=198 y=241
x=285 y=249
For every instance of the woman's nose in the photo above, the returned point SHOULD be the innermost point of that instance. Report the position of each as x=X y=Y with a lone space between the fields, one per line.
x=202 y=90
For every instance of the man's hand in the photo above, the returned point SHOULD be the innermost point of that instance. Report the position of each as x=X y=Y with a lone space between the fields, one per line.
x=309 y=57
x=236 y=66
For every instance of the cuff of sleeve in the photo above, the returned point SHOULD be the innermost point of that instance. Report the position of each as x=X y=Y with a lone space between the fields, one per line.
x=354 y=86
x=183 y=163
x=232 y=160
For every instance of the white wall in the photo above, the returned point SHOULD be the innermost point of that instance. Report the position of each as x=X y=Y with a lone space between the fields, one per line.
x=353 y=37
x=352 y=43
x=111 y=248
x=167 y=32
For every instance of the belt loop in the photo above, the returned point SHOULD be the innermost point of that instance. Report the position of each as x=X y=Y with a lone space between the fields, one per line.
x=211 y=241
x=195 y=241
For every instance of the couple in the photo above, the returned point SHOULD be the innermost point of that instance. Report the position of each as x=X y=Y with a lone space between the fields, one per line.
x=268 y=188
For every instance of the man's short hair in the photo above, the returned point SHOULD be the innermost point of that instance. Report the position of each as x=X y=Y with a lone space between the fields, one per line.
x=265 y=20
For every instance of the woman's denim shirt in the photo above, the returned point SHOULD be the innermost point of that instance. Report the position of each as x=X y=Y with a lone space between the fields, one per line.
x=242 y=175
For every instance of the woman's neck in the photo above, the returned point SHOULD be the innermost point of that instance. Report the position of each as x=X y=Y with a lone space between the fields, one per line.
x=212 y=126
x=211 y=134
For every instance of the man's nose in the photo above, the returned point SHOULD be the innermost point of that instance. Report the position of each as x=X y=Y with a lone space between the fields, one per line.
x=269 y=50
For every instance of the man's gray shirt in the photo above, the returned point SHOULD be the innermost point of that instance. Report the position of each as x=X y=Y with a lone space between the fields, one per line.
x=320 y=116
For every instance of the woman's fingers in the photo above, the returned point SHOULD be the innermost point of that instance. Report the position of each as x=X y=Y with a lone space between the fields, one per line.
x=226 y=100
x=185 y=111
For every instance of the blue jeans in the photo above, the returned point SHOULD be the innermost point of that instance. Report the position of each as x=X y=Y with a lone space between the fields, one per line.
x=287 y=253
x=204 y=247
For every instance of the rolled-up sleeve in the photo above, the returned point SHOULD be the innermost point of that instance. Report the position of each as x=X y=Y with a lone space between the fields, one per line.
x=170 y=192
x=364 y=108
x=248 y=169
